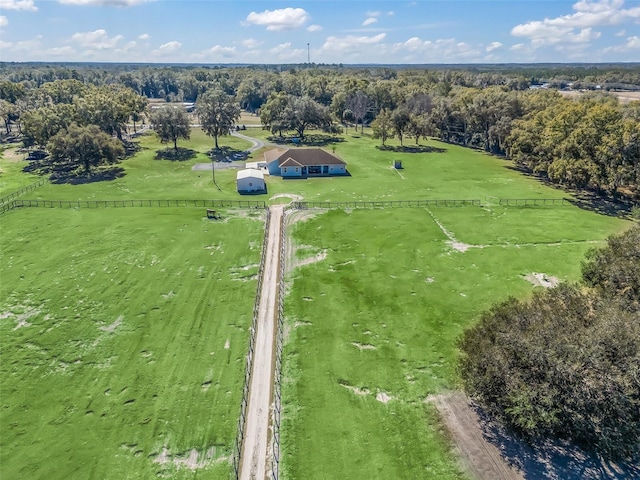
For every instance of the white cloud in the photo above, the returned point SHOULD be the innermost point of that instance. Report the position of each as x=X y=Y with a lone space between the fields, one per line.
x=3 y=21
x=18 y=5
x=350 y=44
x=391 y=13
x=621 y=33
x=65 y=52
x=314 y=28
x=251 y=43
x=492 y=46
x=98 y=39
x=446 y=50
x=576 y=27
x=284 y=52
x=144 y=36
x=280 y=20
x=167 y=48
x=126 y=48
x=109 y=3
x=373 y=14
x=220 y=51
x=517 y=46
x=369 y=21
x=4 y=44
x=633 y=42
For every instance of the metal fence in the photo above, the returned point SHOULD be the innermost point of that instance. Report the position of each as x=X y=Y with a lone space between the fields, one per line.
x=533 y=201
x=237 y=451
x=138 y=203
x=22 y=191
x=387 y=204
x=277 y=377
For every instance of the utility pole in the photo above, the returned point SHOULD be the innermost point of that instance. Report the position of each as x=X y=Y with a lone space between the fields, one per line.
x=308 y=56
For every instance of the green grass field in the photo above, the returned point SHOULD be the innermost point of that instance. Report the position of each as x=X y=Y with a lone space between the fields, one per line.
x=114 y=322
x=448 y=172
x=123 y=333
x=381 y=315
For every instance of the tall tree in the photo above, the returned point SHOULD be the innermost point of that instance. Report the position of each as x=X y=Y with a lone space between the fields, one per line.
x=401 y=122
x=171 y=124
x=360 y=105
x=218 y=113
x=382 y=126
x=304 y=112
x=87 y=146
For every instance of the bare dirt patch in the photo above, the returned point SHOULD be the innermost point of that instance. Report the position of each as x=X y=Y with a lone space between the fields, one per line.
x=453 y=241
x=192 y=459
x=111 y=328
x=310 y=260
x=480 y=458
x=383 y=397
x=356 y=390
x=363 y=346
x=541 y=280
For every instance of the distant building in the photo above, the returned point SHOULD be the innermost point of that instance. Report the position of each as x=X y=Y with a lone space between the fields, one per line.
x=303 y=163
x=250 y=180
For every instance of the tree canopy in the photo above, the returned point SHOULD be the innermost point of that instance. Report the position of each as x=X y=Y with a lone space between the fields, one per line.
x=85 y=145
x=218 y=113
x=171 y=124
x=566 y=364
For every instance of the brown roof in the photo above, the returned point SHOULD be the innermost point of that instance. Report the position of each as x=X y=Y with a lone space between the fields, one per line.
x=303 y=157
x=271 y=155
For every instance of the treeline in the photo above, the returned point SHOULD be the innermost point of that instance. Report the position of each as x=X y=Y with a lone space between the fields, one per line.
x=587 y=143
x=566 y=364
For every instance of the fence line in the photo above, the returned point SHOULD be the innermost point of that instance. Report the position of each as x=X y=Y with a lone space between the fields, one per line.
x=237 y=451
x=277 y=376
x=533 y=201
x=387 y=204
x=138 y=203
x=22 y=191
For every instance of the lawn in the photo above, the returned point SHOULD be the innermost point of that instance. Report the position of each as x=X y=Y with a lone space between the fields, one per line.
x=12 y=177
x=123 y=339
x=380 y=317
x=439 y=170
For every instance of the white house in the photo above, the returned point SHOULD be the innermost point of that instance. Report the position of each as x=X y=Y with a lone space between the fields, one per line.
x=250 y=180
x=303 y=163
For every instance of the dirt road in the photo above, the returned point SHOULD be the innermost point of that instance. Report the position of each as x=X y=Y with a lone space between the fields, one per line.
x=254 y=460
x=480 y=458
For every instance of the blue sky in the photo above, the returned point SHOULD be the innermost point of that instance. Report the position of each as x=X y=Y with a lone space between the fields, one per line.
x=210 y=31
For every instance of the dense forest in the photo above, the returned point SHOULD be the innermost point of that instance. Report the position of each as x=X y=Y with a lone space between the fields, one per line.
x=592 y=142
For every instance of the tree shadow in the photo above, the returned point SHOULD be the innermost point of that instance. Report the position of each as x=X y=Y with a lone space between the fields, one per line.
x=552 y=459
x=411 y=149
x=227 y=155
x=130 y=148
x=175 y=155
x=311 y=140
x=584 y=199
x=72 y=173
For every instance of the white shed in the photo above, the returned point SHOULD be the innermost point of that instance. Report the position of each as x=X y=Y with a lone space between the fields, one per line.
x=250 y=180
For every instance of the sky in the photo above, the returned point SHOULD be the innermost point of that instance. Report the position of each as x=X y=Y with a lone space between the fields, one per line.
x=324 y=31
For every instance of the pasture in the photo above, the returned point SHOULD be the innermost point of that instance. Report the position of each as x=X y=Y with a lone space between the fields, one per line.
x=373 y=326
x=123 y=337
x=123 y=331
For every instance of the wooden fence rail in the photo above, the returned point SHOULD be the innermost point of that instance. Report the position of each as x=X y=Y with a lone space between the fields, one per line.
x=22 y=191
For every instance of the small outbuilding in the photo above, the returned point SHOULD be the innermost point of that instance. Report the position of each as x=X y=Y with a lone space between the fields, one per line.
x=250 y=180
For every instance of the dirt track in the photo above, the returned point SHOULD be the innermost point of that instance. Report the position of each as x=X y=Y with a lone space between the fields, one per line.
x=255 y=455
x=480 y=458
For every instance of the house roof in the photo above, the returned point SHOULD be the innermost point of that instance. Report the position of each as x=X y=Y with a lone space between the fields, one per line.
x=271 y=155
x=250 y=173
x=303 y=157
